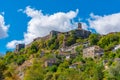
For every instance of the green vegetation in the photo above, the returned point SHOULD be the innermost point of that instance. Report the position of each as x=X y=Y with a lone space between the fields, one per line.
x=107 y=42
x=30 y=61
x=94 y=38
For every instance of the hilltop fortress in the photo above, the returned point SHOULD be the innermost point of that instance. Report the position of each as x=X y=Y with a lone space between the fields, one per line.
x=79 y=32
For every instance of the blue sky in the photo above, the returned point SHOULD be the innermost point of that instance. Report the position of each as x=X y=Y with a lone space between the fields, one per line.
x=91 y=12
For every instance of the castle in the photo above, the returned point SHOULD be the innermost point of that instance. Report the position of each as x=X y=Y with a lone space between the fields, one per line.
x=79 y=32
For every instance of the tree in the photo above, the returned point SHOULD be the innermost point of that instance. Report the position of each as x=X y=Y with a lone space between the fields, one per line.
x=70 y=40
x=52 y=68
x=79 y=49
x=34 y=47
x=2 y=68
x=114 y=72
x=94 y=38
x=109 y=41
x=35 y=72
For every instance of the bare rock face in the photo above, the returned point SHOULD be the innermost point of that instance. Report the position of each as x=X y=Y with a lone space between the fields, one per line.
x=21 y=69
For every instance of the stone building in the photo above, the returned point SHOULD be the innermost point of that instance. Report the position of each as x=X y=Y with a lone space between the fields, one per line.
x=74 y=65
x=50 y=62
x=70 y=49
x=94 y=51
x=116 y=47
x=19 y=47
x=70 y=56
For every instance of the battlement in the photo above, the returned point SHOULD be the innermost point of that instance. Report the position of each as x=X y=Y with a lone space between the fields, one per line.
x=19 y=47
x=52 y=33
x=79 y=32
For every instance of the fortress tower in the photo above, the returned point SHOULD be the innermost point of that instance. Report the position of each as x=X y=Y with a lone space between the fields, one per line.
x=79 y=26
x=19 y=47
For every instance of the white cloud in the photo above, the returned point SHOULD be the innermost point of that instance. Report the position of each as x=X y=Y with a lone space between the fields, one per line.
x=41 y=24
x=3 y=27
x=105 y=24
x=20 y=10
x=13 y=43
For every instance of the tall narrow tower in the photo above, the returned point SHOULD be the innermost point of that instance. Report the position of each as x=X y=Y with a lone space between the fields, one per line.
x=79 y=26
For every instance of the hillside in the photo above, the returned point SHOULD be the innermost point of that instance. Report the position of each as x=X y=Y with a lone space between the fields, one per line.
x=73 y=55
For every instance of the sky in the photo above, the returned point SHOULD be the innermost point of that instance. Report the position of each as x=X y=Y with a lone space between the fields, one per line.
x=23 y=20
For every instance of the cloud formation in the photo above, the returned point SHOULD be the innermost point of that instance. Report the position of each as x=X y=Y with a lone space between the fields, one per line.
x=41 y=24
x=105 y=24
x=3 y=28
